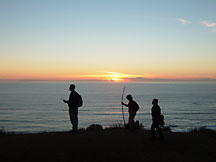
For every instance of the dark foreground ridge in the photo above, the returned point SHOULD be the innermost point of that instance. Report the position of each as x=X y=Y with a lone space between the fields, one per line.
x=108 y=145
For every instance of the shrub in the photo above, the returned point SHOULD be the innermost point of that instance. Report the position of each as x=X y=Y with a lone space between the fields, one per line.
x=202 y=130
x=166 y=129
x=116 y=126
x=94 y=127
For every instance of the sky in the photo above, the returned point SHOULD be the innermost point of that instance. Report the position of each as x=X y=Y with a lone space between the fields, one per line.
x=119 y=40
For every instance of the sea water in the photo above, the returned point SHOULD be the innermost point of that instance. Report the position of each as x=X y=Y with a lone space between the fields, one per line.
x=38 y=107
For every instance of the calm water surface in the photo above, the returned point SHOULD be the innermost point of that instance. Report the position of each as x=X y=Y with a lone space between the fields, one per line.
x=36 y=107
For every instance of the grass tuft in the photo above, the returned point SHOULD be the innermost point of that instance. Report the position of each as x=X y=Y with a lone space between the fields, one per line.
x=4 y=132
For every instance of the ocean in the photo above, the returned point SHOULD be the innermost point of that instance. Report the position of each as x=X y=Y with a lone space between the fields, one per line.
x=28 y=107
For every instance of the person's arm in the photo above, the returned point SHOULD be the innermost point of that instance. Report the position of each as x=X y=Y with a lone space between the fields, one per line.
x=153 y=112
x=124 y=104
x=158 y=111
x=65 y=101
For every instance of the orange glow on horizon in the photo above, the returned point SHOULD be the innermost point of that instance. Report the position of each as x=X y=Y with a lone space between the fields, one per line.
x=104 y=76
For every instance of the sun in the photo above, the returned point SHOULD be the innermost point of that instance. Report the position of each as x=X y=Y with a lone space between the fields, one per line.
x=115 y=79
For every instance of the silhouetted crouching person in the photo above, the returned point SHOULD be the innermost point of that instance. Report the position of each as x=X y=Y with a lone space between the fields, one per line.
x=132 y=109
x=156 y=112
x=75 y=101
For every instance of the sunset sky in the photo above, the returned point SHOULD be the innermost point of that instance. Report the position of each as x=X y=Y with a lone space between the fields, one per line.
x=131 y=40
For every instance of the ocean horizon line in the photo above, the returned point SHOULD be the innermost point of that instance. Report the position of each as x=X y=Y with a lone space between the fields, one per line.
x=137 y=80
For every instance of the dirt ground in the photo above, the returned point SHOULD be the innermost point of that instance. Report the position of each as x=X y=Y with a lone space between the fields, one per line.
x=108 y=145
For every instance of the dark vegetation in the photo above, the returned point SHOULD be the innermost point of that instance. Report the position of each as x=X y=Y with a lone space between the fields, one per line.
x=116 y=143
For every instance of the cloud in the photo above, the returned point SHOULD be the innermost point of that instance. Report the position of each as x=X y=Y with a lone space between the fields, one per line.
x=208 y=24
x=183 y=21
x=214 y=30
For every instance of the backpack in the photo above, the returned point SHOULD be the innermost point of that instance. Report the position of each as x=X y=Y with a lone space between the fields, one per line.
x=80 y=102
x=136 y=106
x=161 y=121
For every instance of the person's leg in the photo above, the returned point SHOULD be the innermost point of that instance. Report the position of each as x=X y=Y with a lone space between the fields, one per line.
x=74 y=118
x=131 y=117
x=75 y=127
x=130 y=121
x=153 y=132
x=159 y=131
x=71 y=116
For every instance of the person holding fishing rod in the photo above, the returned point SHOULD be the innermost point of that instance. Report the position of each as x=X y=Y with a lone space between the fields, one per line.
x=133 y=107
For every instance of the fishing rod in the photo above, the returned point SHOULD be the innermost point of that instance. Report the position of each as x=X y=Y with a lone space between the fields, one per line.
x=122 y=104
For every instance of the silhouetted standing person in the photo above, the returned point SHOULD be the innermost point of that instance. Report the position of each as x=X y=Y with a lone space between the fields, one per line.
x=156 y=112
x=132 y=109
x=75 y=101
